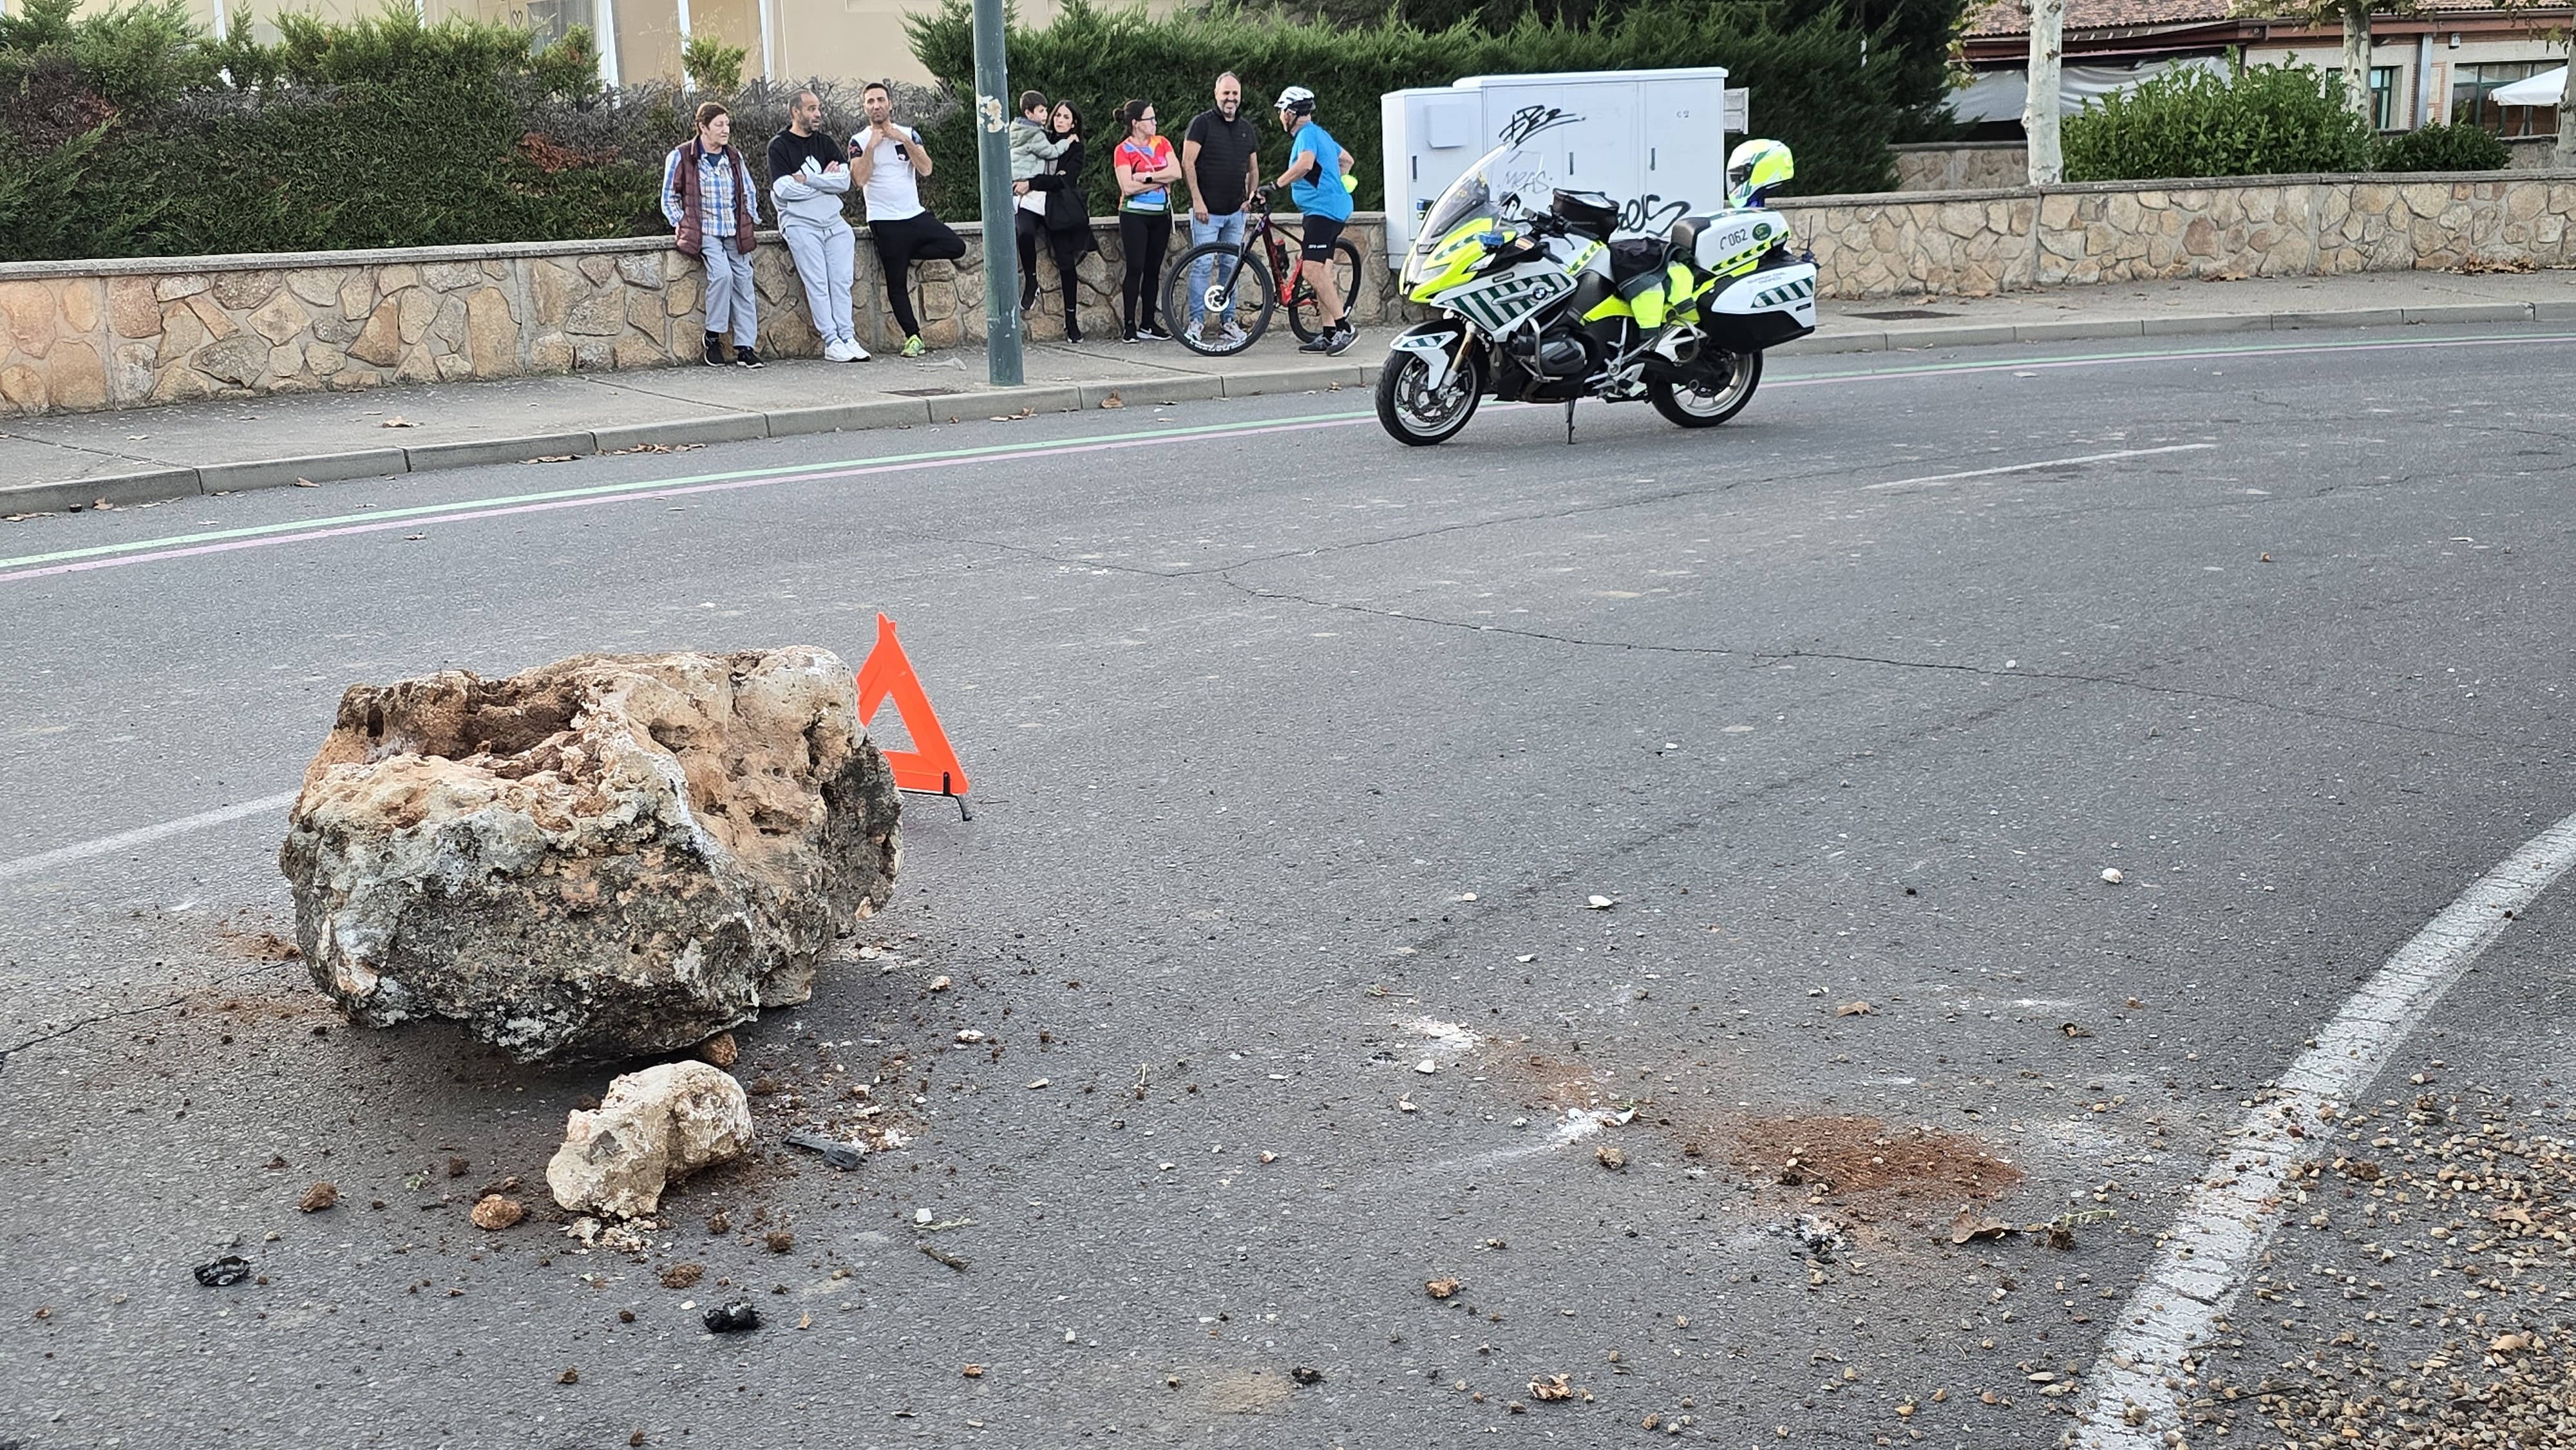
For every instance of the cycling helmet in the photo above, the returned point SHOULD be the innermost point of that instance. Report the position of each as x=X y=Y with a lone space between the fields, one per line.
x=1753 y=169
x=1296 y=101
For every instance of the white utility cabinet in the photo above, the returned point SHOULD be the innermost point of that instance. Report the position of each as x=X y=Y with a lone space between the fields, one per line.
x=1654 y=141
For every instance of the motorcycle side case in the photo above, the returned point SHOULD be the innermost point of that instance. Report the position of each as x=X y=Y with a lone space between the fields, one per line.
x=1767 y=306
x=1724 y=243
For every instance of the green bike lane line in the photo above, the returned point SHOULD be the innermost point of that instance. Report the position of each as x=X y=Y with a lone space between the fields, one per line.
x=374 y=520
x=777 y=473
x=2251 y=349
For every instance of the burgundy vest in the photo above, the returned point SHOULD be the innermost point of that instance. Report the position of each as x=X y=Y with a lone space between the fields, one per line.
x=692 y=240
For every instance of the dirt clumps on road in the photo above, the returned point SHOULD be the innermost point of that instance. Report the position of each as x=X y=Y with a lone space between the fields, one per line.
x=1866 y=1157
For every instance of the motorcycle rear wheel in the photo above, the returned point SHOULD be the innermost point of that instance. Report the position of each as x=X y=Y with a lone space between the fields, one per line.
x=1698 y=404
x=1414 y=414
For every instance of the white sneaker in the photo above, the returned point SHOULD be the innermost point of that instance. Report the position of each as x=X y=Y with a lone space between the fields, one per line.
x=847 y=351
x=1233 y=336
x=833 y=351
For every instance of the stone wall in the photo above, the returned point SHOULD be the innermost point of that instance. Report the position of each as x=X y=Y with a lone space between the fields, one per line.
x=77 y=336
x=1961 y=165
x=1978 y=242
x=121 y=334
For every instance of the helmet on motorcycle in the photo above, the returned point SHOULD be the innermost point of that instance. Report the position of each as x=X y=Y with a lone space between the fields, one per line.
x=1754 y=168
x=1296 y=101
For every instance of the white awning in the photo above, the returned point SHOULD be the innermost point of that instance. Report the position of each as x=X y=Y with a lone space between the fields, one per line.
x=1999 y=95
x=2540 y=90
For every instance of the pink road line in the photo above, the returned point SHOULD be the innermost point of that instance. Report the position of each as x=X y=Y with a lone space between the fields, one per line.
x=2035 y=365
x=468 y=514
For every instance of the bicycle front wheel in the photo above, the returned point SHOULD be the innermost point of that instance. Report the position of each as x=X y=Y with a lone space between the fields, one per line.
x=1217 y=301
x=1305 y=315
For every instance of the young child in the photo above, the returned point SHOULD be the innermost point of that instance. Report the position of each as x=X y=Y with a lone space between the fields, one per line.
x=1030 y=148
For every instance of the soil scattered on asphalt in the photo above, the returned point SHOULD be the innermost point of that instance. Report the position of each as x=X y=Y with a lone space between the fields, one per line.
x=1847 y=1157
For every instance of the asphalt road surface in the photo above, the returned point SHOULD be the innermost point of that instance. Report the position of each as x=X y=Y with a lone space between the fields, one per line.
x=1300 y=760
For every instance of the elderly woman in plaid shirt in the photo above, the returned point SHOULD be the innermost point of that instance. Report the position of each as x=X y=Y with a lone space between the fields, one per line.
x=712 y=206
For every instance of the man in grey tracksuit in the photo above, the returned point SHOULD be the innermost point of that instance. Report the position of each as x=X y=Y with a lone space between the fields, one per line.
x=809 y=174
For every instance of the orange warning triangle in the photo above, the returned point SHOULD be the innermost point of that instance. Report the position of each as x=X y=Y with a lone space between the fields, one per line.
x=931 y=765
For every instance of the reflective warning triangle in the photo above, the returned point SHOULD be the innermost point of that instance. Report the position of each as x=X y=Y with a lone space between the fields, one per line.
x=931 y=765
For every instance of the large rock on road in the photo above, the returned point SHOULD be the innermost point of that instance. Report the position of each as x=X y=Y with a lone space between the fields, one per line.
x=612 y=855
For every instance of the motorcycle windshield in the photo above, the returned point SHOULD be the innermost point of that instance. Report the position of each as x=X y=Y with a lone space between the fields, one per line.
x=1468 y=198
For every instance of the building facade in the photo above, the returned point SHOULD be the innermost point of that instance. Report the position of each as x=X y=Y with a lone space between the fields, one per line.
x=2440 y=64
x=852 y=40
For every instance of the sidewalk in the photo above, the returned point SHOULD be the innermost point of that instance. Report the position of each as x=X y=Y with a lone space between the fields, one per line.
x=66 y=461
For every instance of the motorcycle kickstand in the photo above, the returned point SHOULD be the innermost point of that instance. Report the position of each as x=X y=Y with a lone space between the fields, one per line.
x=1569 y=422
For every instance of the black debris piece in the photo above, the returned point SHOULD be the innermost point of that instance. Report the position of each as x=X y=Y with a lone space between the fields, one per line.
x=843 y=1156
x=1306 y=1375
x=735 y=1317
x=230 y=1269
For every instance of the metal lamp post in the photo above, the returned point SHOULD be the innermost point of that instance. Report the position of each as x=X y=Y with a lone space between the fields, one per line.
x=993 y=170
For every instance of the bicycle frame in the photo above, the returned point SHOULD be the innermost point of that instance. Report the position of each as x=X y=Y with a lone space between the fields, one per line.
x=1286 y=262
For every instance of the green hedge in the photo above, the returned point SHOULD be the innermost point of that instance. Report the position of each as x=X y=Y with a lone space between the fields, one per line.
x=2442 y=148
x=1808 y=85
x=2188 y=122
x=133 y=133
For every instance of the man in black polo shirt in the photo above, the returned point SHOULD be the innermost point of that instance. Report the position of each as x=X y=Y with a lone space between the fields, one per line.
x=1221 y=159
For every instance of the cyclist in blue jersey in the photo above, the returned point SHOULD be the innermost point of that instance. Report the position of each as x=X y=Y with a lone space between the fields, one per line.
x=1316 y=165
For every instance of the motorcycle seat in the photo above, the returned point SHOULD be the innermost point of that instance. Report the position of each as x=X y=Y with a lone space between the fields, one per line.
x=1684 y=234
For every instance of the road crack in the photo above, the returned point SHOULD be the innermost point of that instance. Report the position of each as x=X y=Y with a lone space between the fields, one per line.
x=88 y=1022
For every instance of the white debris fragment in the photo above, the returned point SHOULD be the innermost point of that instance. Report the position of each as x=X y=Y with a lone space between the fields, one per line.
x=652 y=1128
x=1426 y=1067
x=2112 y=875
x=1600 y=903
x=970 y=1036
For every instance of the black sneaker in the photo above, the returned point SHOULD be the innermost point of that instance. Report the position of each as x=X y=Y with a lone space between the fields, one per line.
x=1130 y=336
x=715 y=350
x=1318 y=343
x=747 y=357
x=1339 y=340
x=1150 y=333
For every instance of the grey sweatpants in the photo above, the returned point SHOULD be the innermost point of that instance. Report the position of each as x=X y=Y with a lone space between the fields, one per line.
x=827 y=262
x=729 y=295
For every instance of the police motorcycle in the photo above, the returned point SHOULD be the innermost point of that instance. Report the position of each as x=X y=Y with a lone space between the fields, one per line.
x=1548 y=307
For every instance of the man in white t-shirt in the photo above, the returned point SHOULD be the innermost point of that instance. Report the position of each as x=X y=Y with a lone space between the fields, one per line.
x=887 y=163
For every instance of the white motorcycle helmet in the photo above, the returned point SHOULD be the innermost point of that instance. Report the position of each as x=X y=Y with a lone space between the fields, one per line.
x=1753 y=169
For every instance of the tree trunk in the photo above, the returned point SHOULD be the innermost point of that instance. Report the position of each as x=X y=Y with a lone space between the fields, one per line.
x=2563 y=155
x=2039 y=114
x=2356 y=60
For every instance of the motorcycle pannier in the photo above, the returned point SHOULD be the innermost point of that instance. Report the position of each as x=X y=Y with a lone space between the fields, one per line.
x=1586 y=213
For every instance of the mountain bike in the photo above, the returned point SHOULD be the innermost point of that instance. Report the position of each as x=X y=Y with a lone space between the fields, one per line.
x=1245 y=284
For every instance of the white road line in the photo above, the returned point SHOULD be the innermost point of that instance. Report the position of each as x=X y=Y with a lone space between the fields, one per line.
x=1935 y=480
x=2205 y=1257
x=109 y=845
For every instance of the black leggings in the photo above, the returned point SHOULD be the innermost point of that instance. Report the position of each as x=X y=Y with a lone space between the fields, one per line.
x=923 y=238
x=1146 y=236
x=1026 y=225
x=1069 y=245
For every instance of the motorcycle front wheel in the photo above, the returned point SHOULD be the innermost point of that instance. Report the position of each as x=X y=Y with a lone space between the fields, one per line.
x=1417 y=414
x=1703 y=403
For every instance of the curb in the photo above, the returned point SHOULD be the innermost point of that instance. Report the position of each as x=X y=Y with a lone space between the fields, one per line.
x=2075 y=329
